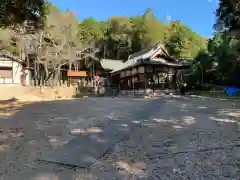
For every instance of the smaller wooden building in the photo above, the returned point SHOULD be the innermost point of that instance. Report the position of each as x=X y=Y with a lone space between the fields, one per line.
x=152 y=68
x=12 y=70
x=99 y=68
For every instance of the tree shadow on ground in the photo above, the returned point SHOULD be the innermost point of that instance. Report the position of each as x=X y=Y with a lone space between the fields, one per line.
x=9 y=106
x=168 y=142
x=45 y=126
x=183 y=142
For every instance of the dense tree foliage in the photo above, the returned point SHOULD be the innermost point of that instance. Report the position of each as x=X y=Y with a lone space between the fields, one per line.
x=117 y=37
x=47 y=49
x=214 y=61
x=228 y=15
x=121 y=36
x=221 y=63
x=14 y=12
x=182 y=42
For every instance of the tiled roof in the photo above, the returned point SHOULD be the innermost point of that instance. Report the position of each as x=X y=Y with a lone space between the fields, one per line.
x=148 y=52
x=128 y=63
x=145 y=56
x=111 y=64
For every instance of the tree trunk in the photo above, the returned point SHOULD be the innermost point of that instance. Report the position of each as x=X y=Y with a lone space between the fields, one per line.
x=35 y=73
x=46 y=73
x=56 y=77
x=38 y=74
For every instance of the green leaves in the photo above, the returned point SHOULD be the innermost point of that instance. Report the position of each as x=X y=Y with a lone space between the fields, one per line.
x=226 y=42
x=120 y=36
x=182 y=42
x=228 y=15
x=14 y=12
x=7 y=40
x=91 y=30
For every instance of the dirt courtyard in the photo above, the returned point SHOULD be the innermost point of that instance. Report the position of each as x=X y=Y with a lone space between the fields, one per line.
x=178 y=138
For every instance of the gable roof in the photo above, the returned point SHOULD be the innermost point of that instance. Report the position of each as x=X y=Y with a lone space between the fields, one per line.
x=150 y=51
x=145 y=56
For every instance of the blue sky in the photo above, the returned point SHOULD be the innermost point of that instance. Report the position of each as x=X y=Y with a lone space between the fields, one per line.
x=197 y=14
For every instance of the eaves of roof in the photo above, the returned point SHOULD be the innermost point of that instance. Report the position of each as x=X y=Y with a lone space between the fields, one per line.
x=110 y=64
x=150 y=62
x=10 y=56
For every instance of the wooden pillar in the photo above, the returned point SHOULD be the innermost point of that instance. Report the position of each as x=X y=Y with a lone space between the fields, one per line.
x=171 y=83
x=119 y=85
x=145 y=84
x=153 y=73
x=133 y=83
x=35 y=72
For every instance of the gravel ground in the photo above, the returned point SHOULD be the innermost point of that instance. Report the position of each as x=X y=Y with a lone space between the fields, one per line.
x=183 y=138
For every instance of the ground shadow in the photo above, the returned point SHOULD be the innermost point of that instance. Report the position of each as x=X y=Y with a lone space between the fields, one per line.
x=165 y=144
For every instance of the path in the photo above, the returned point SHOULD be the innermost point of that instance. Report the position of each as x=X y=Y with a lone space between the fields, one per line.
x=172 y=143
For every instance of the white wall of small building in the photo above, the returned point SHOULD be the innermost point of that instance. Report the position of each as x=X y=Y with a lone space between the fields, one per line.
x=5 y=63
x=17 y=71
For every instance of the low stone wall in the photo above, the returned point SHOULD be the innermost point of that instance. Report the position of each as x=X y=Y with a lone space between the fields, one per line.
x=54 y=93
x=36 y=93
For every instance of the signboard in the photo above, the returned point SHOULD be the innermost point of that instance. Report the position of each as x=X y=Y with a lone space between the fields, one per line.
x=77 y=74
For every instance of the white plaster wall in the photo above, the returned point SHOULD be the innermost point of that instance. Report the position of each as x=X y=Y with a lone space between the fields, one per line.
x=17 y=72
x=4 y=62
x=27 y=80
x=6 y=81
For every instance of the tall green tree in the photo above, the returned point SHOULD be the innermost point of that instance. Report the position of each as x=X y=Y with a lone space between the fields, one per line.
x=224 y=47
x=126 y=35
x=228 y=15
x=155 y=30
x=224 y=53
x=182 y=42
x=90 y=30
x=118 y=37
x=14 y=12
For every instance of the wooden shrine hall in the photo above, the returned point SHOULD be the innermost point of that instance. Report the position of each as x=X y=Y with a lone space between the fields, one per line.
x=152 y=68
